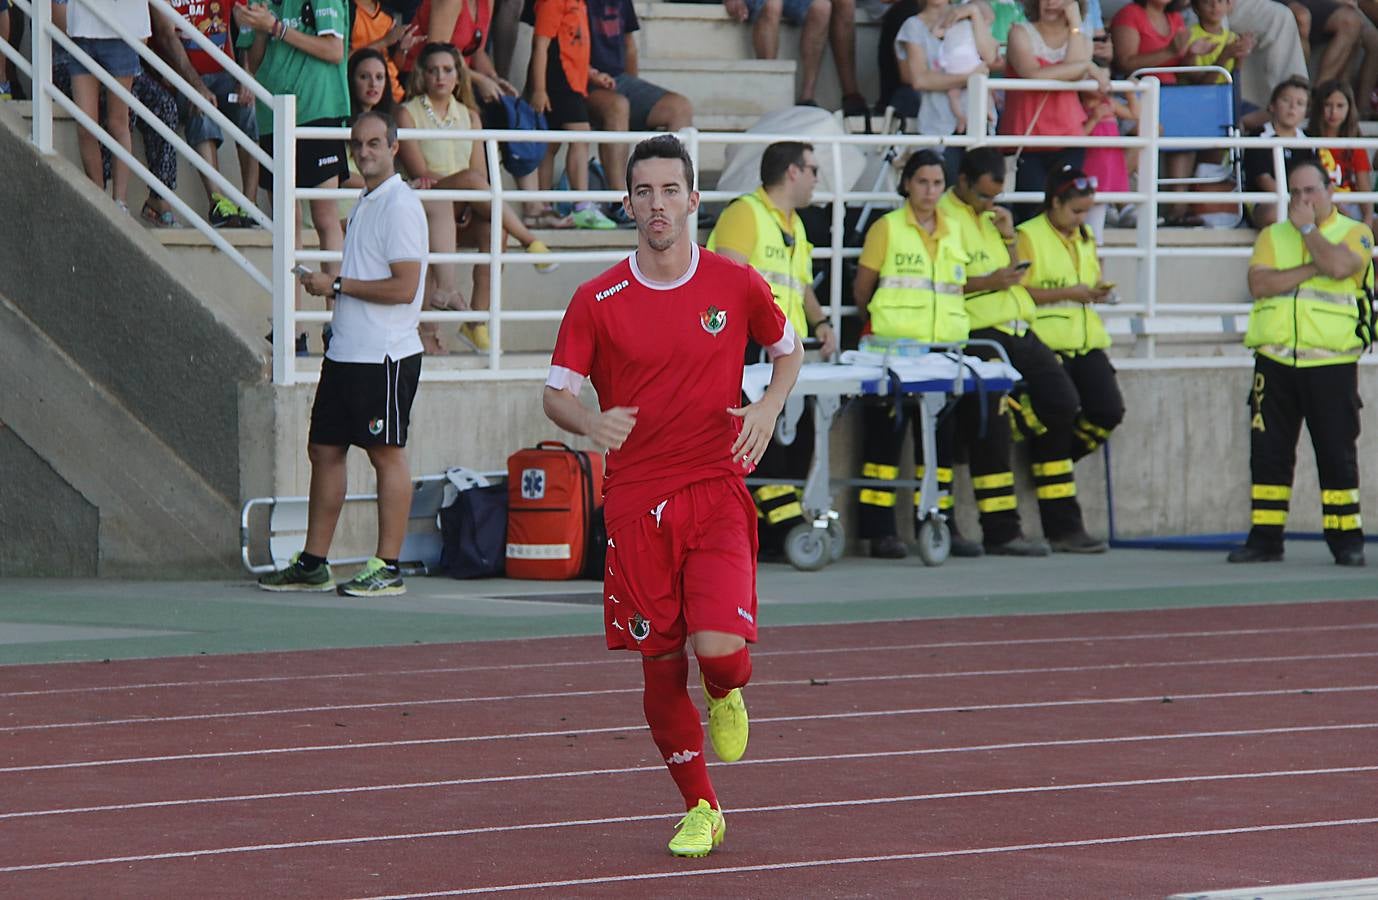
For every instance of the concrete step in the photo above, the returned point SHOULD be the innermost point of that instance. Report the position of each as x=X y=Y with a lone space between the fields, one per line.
x=739 y=87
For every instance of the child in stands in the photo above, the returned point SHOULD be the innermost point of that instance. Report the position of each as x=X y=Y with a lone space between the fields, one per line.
x=558 y=87
x=1333 y=115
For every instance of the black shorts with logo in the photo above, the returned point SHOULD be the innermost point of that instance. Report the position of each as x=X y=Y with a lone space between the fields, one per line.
x=317 y=161
x=365 y=404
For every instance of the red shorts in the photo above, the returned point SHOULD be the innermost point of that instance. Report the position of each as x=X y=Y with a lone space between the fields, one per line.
x=687 y=566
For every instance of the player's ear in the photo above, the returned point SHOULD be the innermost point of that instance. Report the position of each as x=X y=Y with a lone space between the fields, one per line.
x=693 y=202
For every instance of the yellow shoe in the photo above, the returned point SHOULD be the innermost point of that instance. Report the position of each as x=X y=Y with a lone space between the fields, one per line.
x=701 y=829
x=476 y=334
x=539 y=247
x=728 y=725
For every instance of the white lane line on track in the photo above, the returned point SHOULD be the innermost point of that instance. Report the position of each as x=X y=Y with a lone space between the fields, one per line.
x=894 y=857
x=634 y=770
x=620 y=820
x=796 y=682
x=618 y=660
x=617 y=729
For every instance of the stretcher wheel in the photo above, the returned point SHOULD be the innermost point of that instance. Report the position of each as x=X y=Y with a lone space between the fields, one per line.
x=935 y=541
x=837 y=541
x=807 y=548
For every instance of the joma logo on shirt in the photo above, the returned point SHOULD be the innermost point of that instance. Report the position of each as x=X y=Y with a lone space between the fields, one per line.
x=608 y=292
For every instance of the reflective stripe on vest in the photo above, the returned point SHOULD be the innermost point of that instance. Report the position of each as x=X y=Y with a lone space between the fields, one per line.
x=1066 y=326
x=1315 y=324
x=917 y=296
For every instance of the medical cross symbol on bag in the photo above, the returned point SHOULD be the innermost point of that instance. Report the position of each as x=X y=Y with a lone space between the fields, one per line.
x=533 y=484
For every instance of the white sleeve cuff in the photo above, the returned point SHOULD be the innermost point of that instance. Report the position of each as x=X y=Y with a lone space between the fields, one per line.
x=784 y=346
x=562 y=379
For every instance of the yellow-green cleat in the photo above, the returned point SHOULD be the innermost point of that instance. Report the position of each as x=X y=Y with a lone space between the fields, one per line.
x=728 y=725
x=701 y=830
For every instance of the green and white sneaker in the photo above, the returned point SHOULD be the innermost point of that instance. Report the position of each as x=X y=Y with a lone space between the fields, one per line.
x=297 y=577
x=375 y=579
x=592 y=218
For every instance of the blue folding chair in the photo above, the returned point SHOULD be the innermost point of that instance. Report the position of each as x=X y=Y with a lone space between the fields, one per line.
x=1198 y=110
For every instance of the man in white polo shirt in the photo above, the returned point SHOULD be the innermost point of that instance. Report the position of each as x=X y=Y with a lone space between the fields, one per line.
x=370 y=372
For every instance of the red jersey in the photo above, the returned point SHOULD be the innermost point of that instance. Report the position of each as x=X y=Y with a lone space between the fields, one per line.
x=675 y=352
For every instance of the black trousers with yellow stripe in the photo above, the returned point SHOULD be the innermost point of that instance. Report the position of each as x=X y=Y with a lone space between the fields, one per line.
x=989 y=456
x=778 y=506
x=1326 y=398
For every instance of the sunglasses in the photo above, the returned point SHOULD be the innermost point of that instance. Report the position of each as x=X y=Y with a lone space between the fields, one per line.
x=475 y=43
x=1080 y=183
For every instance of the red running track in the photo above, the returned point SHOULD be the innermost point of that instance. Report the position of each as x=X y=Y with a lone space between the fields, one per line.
x=1129 y=754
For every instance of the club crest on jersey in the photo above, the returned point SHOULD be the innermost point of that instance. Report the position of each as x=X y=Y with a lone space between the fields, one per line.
x=713 y=319
x=375 y=426
x=638 y=627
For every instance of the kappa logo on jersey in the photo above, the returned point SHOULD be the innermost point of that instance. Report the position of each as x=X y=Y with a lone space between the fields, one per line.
x=680 y=757
x=713 y=319
x=639 y=627
x=746 y=615
x=608 y=292
x=657 y=513
x=375 y=426
x=533 y=484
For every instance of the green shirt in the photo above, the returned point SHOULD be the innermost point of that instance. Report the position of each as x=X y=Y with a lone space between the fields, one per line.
x=322 y=88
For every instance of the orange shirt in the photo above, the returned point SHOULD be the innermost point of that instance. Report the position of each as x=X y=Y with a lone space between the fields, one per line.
x=567 y=23
x=372 y=27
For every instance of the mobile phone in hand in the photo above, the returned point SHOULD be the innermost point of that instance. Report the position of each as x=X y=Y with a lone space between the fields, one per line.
x=299 y=269
x=1023 y=265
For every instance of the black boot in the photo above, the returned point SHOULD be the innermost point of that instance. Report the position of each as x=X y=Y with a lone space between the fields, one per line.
x=888 y=547
x=1353 y=557
x=1251 y=554
x=1078 y=542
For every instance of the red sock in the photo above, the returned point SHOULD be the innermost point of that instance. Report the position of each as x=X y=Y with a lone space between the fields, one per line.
x=675 y=728
x=723 y=673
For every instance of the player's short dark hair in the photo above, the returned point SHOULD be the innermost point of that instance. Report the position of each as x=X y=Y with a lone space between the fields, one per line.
x=1308 y=161
x=917 y=160
x=388 y=122
x=662 y=146
x=778 y=157
x=983 y=161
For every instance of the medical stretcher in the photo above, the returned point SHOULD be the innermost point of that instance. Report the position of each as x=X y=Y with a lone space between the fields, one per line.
x=935 y=374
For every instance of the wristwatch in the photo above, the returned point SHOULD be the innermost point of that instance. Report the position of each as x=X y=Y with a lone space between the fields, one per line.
x=1307 y=228
x=338 y=284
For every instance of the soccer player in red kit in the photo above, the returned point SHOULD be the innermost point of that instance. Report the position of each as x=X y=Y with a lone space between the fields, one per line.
x=662 y=337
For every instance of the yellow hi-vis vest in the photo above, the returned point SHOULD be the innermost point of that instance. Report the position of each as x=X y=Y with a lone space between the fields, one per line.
x=1065 y=325
x=1011 y=311
x=1315 y=324
x=919 y=297
x=787 y=269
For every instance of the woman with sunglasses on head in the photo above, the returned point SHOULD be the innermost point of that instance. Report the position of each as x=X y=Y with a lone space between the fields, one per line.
x=1064 y=280
x=441 y=96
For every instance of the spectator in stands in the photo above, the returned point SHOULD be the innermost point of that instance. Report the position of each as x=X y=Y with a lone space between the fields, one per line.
x=223 y=91
x=370 y=88
x=441 y=96
x=375 y=29
x=1287 y=111
x=1339 y=25
x=833 y=21
x=1049 y=45
x=1333 y=115
x=1065 y=282
x=1104 y=115
x=558 y=87
x=111 y=53
x=467 y=25
x=300 y=49
x=4 y=36
x=763 y=230
x=632 y=104
x=941 y=95
x=1151 y=34
x=1226 y=47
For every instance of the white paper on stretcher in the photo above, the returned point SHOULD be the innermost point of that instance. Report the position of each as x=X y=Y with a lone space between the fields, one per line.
x=933 y=371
